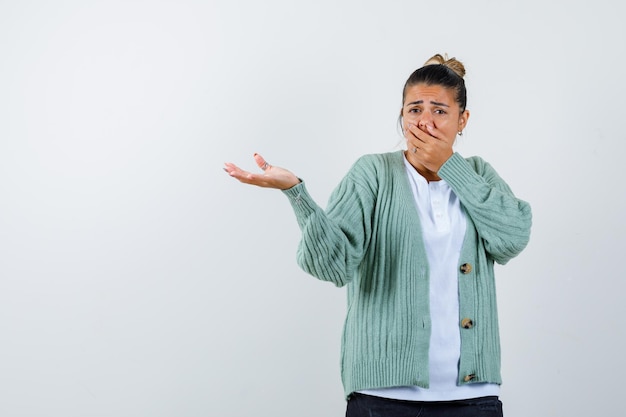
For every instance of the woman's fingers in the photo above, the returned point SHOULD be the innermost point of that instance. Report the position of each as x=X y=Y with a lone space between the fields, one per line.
x=237 y=173
x=416 y=138
x=423 y=133
x=261 y=162
x=427 y=149
x=272 y=177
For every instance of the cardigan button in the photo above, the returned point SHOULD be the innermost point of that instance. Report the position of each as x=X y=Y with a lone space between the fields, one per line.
x=466 y=268
x=469 y=377
x=467 y=323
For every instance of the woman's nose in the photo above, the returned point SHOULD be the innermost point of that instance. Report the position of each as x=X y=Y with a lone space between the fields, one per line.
x=425 y=120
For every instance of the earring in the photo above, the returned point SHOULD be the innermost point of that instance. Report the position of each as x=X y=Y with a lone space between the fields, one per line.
x=460 y=133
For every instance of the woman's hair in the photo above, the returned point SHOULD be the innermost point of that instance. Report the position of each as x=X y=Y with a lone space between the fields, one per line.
x=439 y=70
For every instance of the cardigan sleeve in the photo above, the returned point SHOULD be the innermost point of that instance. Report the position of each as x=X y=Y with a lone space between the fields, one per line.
x=334 y=241
x=502 y=220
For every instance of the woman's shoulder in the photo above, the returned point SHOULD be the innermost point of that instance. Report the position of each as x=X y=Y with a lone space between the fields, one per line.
x=380 y=160
x=370 y=170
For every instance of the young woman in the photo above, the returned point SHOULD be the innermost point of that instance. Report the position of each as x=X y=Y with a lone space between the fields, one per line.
x=414 y=235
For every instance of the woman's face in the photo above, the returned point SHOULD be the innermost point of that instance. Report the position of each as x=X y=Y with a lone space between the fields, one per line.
x=436 y=106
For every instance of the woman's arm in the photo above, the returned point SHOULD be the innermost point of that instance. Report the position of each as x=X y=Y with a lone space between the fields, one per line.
x=333 y=241
x=502 y=220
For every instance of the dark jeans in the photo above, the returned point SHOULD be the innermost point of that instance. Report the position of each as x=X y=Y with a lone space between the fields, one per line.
x=361 y=405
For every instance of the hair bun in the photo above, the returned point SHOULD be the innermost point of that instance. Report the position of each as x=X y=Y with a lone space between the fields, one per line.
x=453 y=64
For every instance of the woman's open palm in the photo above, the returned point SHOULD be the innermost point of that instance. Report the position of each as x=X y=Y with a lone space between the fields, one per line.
x=271 y=177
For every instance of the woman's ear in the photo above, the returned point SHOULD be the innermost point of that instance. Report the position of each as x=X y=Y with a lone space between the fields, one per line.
x=463 y=118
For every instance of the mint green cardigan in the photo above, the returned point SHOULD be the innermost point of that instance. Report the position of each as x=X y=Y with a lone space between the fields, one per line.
x=369 y=239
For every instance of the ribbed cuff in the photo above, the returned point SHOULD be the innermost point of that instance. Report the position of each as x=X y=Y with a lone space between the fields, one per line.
x=457 y=171
x=301 y=202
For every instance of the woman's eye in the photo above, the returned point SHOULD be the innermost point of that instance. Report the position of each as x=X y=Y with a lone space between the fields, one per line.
x=440 y=111
x=414 y=110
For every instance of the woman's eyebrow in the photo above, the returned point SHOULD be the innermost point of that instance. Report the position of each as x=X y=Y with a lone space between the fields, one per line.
x=436 y=103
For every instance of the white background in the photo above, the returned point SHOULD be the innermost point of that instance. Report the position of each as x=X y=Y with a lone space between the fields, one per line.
x=138 y=279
